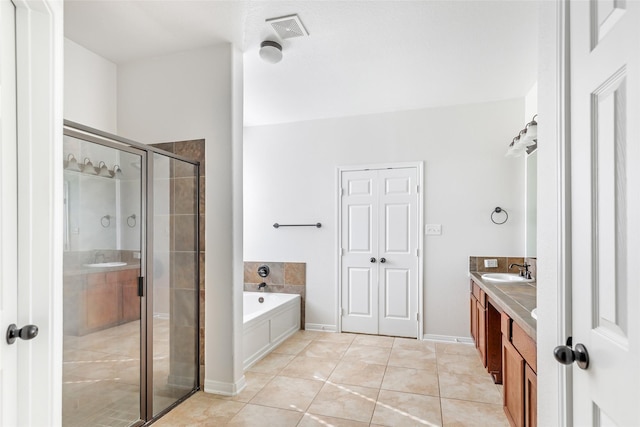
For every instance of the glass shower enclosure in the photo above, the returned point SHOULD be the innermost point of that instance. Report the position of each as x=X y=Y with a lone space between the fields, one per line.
x=130 y=289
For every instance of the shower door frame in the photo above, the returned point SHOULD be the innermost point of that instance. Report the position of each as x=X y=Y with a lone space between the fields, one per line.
x=146 y=152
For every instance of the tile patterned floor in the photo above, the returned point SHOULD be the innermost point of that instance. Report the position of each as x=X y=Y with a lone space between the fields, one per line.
x=101 y=376
x=318 y=379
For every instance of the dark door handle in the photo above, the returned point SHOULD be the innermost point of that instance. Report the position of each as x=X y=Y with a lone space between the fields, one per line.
x=25 y=333
x=372 y=259
x=383 y=260
x=566 y=355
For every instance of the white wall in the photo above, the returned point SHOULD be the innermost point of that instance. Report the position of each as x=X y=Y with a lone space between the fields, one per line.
x=90 y=83
x=290 y=177
x=189 y=95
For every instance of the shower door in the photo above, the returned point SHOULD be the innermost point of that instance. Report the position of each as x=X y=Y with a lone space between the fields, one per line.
x=103 y=360
x=131 y=279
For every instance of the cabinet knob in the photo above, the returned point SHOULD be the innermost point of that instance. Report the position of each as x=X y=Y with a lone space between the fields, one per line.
x=372 y=259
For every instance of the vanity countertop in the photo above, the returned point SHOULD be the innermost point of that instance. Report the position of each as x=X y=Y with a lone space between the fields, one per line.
x=82 y=269
x=515 y=299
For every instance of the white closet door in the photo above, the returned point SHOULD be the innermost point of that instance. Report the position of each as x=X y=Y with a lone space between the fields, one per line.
x=379 y=240
x=359 y=252
x=398 y=244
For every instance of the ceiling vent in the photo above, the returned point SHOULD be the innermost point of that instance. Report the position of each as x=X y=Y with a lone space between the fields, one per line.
x=288 y=27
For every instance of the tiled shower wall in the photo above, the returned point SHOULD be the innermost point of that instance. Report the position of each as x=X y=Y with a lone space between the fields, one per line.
x=284 y=277
x=181 y=198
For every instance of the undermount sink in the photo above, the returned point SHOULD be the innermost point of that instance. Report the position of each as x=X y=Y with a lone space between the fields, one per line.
x=106 y=264
x=505 y=277
x=534 y=313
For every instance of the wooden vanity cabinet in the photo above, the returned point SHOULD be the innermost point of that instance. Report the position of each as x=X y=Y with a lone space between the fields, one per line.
x=97 y=301
x=478 y=321
x=519 y=365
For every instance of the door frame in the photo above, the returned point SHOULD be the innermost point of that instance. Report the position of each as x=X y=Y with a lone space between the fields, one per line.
x=419 y=166
x=554 y=213
x=40 y=65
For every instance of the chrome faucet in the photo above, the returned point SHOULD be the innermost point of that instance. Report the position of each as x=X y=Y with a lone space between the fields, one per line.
x=261 y=286
x=524 y=269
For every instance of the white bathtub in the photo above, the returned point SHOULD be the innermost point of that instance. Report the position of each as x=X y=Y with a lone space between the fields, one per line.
x=267 y=324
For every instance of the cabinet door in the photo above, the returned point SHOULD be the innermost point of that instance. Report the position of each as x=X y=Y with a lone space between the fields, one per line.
x=530 y=397
x=101 y=305
x=513 y=379
x=130 y=301
x=482 y=333
x=473 y=309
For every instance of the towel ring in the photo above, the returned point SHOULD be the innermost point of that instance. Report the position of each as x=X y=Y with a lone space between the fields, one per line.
x=131 y=219
x=498 y=210
x=105 y=221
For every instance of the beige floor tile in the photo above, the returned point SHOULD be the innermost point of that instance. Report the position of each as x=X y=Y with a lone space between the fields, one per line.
x=255 y=381
x=476 y=388
x=456 y=348
x=201 y=409
x=324 y=349
x=367 y=354
x=336 y=337
x=345 y=401
x=460 y=413
x=308 y=335
x=271 y=363
x=311 y=368
x=374 y=340
x=358 y=373
x=255 y=415
x=413 y=344
x=460 y=364
x=292 y=346
x=411 y=380
x=399 y=409
x=412 y=358
x=310 y=420
x=288 y=393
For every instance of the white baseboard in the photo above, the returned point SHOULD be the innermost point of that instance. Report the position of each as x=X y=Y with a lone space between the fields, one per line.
x=447 y=338
x=225 y=389
x=320 y=327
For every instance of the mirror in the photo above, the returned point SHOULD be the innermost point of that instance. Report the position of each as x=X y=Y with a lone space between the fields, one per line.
x=101 y=211
x=531 y=205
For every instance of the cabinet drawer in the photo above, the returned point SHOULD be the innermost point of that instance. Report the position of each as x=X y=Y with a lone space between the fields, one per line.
x=505 y=326
x=525 y=346
x=479 y=294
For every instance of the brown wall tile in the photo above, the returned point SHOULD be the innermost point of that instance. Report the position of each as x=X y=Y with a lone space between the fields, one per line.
x=295 y=273
x=185 y=195
x=184 y=234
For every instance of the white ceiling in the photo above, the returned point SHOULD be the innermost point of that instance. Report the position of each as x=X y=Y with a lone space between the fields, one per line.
x=361 y=56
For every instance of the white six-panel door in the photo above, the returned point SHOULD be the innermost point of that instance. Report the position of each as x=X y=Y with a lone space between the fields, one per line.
x=379 y=241
x=8 y=216
x=605 y=197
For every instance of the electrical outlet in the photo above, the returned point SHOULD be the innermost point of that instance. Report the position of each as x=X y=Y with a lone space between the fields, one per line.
x=490 y=263
x=433 y=229
x=136 y=255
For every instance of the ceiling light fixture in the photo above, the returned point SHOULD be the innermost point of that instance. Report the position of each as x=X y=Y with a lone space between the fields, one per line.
x=271 y=51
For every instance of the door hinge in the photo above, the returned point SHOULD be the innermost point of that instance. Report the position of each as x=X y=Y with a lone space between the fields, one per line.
x=342 y=251
x=342 y=192
x=417 y=188
x=140 y=286
x=417 y=317
x=417 y=252
x=342 y=311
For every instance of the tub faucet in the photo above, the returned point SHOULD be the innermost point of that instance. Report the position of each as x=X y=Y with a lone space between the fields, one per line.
x=261 y=286
x=524 y=269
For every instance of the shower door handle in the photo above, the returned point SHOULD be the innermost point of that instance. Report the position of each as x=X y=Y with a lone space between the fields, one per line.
x=140 y=286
